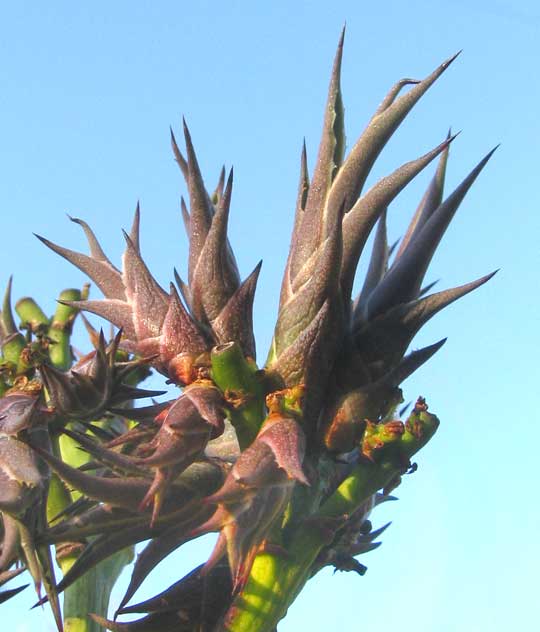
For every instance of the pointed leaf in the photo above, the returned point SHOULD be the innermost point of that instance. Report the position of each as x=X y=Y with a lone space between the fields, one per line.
x=104 y=275
x=312 y=229
x=351 y=178
x=148 y=300
x=404 y=279
x=359 y=221
x=430 y=201
x=235 y=321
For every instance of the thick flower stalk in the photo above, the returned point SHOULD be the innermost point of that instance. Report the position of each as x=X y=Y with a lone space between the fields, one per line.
x=285 y=462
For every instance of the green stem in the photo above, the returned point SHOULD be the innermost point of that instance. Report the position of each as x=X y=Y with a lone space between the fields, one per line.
x=31 y=313
x=91 y=593
x=34 y=319
x=238 y=380
x=60 y=330
x=277 y=578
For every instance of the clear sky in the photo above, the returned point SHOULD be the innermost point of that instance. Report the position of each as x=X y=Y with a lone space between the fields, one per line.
x=87 y=93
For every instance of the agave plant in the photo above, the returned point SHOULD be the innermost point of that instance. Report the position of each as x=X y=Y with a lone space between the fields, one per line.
x=286 y=459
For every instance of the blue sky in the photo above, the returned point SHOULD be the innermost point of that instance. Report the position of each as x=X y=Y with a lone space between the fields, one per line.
x=88 y=92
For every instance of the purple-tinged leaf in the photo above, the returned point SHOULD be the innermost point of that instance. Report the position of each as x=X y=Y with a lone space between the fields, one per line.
x=155 y=622
x=117 y=312
x=185 y=216
x=288 y=443
x=378 y=264
x=11 y=592
x=102 y=548
x=213 y=280
x=181 y=161
x=210 y=589
x=218 y=191
x=17 y=410
x=316 y=283
x=179 y=332
x=96 y=251
x=105 y=275
x=201 y=207
x=412 y=362
x=159 y=547
x=351 y=178
x=303 y=188
x=385 y=339
x=134 y=233
x=235 y=321
x=430 y=201
x=359 y=221
x=148 y=301
x=311 y=230
x=404 y=279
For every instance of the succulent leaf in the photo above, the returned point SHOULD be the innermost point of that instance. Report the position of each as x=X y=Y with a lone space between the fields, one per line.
x=349 y=182
x=105 y=275
x=235 y=321
x=359 y=221
x=385 y=339
x=404 y=279
x=430 y=201
x=158 y=548
x=312 y=228
x=378 y=264
x=148 y=300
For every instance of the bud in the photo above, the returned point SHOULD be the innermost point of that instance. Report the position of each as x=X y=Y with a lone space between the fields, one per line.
x=197 y=416
x=93 y=384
